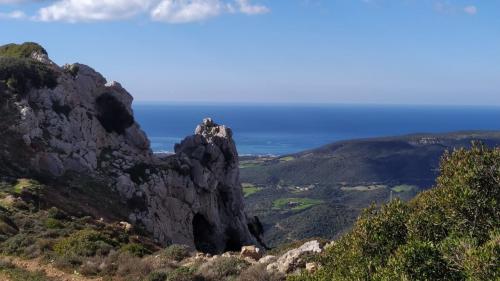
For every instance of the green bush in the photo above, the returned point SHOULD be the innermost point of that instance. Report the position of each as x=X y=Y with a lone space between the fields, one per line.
x=481 y=263
x=135 y=249
x=222 y=268
x=157 y=276
x=17 y=244
x=450 y=232
x=418 y=261
x=183 y=274
x=24 y=50
x=20 y=74
x=176 y=252
x=51 y=223
x=57 y=214
x=84 y=243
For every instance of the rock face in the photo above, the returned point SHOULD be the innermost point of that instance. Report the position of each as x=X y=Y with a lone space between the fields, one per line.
x=86 y=125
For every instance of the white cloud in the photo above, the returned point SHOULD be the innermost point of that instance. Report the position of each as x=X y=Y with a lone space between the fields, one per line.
x=170 y=11
x=92 y=10
x=471 y=10
x=16 y=15
x=246 y=8
x=183 y=11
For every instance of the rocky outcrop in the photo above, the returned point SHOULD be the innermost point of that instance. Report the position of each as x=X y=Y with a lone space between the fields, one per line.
x=293 y=259
x=85 y=125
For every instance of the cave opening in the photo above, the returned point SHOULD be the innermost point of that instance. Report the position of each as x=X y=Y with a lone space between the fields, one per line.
x=203 y=233
x=112 y=114
x=233 y=243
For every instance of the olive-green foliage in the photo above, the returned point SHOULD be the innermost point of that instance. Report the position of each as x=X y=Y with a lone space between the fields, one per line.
x=157 y=276
x=18 y=274
x=20 y=74
x=135 y=249
x=417 y=261
x=51 y=223
x=258 y=272
x=176 y=252
x=222 y=268
x=17 y=244
x=85 y=242
x=450 y=232
x=24 y=50
x=183 y=274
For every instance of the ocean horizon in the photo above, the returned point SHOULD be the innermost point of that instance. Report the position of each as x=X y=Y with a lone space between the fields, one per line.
x=280 y=129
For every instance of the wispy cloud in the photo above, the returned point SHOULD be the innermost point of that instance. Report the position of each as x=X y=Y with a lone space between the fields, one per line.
x=98 y=10
x=471 y=10
x=14 y=15
x=184 y=11
x=247 y=8
x=170 y=11
x=448 y=7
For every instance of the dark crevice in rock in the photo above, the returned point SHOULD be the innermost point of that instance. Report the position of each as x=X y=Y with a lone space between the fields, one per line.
x=204 y=236
x=233 y=243
x=257 y=230
x=112 y=114
x=61 y=109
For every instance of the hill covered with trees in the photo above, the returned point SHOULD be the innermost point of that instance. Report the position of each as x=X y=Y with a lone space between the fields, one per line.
x=451 y=232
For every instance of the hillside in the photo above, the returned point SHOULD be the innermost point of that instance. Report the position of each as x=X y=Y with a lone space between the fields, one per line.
x=451 y=232
x=343 y=178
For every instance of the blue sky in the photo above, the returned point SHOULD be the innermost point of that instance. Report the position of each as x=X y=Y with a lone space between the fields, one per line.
x=267 y=51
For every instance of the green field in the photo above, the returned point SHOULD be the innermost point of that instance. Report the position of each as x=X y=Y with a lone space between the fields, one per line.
x=363 y=187
x=249 y=189
x=403 y=188
x=287 y=159
x=295 y=204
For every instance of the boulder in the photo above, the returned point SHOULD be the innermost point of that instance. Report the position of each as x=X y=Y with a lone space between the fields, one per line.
x=251 y=252
x=267 y=259
x=292 y=259
x=312 y=267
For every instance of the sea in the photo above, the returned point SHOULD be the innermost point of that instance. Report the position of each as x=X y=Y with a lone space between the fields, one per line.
x=286 y=129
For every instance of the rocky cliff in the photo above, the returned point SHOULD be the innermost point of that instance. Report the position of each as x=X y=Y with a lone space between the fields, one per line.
x=59 y=121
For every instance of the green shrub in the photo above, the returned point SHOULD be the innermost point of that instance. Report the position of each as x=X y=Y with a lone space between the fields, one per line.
x=258 y=272
x=24 y=50
x=222 y=268
x=182 y=274
x=16 y=244
x=157 y=276
x=418 y=261
x=448 y=233
x=176 y=252
x=135 y=249
x=57 y=214
x=84 y=243
x=20 y=74
x=51 y=223
x=481 y=263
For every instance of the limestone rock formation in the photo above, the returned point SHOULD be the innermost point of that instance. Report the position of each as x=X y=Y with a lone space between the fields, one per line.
x=293 y=259
x=85 y=125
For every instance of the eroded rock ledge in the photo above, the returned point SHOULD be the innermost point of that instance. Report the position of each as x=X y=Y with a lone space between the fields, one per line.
x=85 y=125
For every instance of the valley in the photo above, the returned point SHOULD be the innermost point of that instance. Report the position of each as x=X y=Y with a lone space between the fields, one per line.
x=320 y=192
